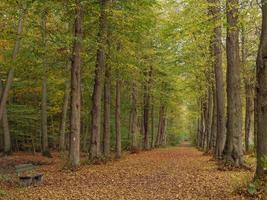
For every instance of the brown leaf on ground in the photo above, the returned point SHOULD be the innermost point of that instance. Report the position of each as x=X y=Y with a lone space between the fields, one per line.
x=181 y=173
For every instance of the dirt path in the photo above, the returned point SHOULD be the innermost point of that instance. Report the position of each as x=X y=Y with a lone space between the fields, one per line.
x=173 y=173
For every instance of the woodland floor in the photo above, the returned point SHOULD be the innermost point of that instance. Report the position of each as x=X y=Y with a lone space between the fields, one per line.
x=168 y=174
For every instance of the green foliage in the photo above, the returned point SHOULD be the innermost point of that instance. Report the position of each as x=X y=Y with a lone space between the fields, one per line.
x=3 y=193
x=252 y=188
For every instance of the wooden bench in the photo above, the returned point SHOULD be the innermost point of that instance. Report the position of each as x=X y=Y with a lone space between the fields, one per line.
x=27 y=175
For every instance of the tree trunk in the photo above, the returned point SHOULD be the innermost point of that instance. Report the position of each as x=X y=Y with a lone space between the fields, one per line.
x=95 y=148
x=161 y=126
x=62 y=143
x=118 y=119
x=45 y=148
x=134 y=120
x=147 y=75
x=107 y=103
x=11 y=72
x=152 y=124
x=248 y=81
x=215 y=11
x=205 y=123
x=214 y=124
x=249 y=113
x=75 y=119
x=209 y=120
x=7 y=138
x=261 y=98
x=233 y=149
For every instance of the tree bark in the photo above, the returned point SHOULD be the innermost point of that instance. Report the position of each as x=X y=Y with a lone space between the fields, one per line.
x=233 y=148
x=152 y=123
x=161 y=126
x=249 y=113
x=45 y=148
x=215 y=11
x=134 y=120
x=107 y=103
x=212 y=143
x=261 y=98
x=7 y=137
x=11 y=72
x=118 y=119
x=95 y=148
x=62 y=144
x=209 y=120
x=147 y=75
x=74 y=154
x=249 y=87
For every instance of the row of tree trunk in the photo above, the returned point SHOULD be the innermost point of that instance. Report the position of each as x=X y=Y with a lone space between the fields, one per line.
x=229 y=136
x=226 y=139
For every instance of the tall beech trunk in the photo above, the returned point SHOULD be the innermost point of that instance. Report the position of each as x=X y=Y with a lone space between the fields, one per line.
x=62 y=143
x=107 y=116
x=134 y=119
x=7 y=137
x=233 y=148
x=152 y=124
x=45 y=148
x=147 y=74
x=215 y=11
x=212 y=143
x=205 y=123
x=248 y=90
x=163 y=136
x=11 y=72
x=75 y=119
x=201 y=127
x=249 y=113
x=161 y=126
x=95 y=148
x=209 y=120
x=261 y=98
x=118 y=119
x=5 y=91
x=199 y=132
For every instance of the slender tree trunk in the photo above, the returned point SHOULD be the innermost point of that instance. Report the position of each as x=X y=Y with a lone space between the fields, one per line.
x=11 y=72
x=261 y=98
x=214 y=123
x=45 y=148
x=7 y=137
x=163 y=131
x=75 y=126
x=147 y=75
x=205 y=123
x=249 y=114
x=248 y=90
x=199 y=132
x=233 y=149
x=62 y=144
x=161 y=126
x=134 y=121
x=209 y=120
x=107 y=103
x=152 y=124
x=118 y=119
x=95 y=148
x=215 y=11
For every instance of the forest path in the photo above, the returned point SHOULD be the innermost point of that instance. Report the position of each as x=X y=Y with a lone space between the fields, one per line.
x=171 y=173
